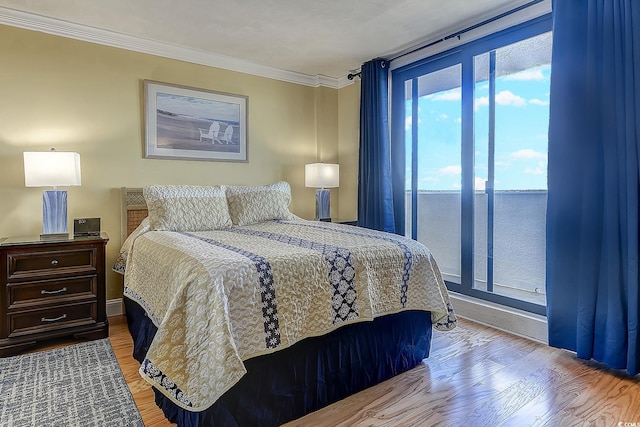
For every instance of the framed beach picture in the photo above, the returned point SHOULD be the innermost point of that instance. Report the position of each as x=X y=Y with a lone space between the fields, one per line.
x=194 y=124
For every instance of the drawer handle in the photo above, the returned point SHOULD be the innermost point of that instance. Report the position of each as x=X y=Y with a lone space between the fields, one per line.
x=45 y=292
x=44 y=319
x=54 y=262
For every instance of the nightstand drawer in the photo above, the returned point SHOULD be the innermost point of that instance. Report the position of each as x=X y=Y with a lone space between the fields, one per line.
x=25 y=294
x=57 y=317
x=51 y=263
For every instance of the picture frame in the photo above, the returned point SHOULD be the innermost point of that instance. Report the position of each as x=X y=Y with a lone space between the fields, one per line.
x=188 y=123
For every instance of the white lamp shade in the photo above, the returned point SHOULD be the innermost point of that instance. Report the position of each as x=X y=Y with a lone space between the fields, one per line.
x=322 y=175
x=51 y=169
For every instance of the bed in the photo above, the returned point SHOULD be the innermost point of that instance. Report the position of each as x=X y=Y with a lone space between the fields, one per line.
x=244 y=314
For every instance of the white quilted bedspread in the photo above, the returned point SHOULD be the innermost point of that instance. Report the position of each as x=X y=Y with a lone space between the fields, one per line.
x=221 y=297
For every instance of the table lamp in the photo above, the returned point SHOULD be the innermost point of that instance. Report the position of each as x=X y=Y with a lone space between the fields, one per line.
x=52 y=169
x=322 y=176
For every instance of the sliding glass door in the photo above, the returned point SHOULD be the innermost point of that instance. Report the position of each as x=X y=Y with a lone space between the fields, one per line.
x=433 y=142
x=474 y=126
x=511 y=118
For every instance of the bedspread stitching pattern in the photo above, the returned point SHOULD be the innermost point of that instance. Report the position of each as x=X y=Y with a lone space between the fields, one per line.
x=267 y=290
x=341 y=271
x=408 y=258
x=164 y=382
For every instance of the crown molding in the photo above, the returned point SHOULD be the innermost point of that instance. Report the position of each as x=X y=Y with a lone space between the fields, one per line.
x=29 y=21
x=344 y=81
x=332 y=82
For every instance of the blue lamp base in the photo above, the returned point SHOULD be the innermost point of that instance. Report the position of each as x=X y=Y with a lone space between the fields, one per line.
x=323 y=209
x=54 y=215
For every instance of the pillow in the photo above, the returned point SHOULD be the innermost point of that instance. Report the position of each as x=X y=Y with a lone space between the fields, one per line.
x=120 y=263
x=249 y=205
x=186 y=207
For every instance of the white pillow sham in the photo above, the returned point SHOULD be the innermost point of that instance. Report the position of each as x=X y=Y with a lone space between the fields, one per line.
x=253 y=204
x=187 y=207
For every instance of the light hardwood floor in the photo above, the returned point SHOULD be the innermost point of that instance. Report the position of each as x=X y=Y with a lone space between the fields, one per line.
x=475 y=376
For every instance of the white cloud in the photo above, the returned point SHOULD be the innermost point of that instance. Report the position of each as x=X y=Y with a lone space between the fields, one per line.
x=479 y=183
x=536 y=101
x=528 y=154
x=483 y=101
x=506 y=97
x=442 y=117
x=526 y=75
x=503 y=98
x=451 y=170
x=449 y=95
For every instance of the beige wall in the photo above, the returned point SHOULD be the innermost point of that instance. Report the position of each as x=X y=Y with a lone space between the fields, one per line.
x=348 y=136
x=78 y=96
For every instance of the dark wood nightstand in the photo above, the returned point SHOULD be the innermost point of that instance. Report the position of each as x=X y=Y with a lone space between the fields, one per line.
x=51 y=289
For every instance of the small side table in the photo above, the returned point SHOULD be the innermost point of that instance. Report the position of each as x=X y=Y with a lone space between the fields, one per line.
x=50 y=289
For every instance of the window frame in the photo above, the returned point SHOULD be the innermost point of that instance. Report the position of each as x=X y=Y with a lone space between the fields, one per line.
x=463 y=54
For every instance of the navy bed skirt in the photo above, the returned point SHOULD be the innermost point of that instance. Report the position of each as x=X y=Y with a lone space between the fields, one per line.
x=305 y=377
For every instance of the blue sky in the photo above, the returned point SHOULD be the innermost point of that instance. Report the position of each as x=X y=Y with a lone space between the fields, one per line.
x=522 y=117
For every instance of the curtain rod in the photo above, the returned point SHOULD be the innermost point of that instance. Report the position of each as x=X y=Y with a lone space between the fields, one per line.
x=472 y=27
x=457 y=34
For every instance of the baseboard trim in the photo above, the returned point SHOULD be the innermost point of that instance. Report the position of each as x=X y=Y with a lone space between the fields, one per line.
x=115 y=307
x=518 y=322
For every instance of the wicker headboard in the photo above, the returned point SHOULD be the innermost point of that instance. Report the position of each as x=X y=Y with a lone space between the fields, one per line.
x=133 y=210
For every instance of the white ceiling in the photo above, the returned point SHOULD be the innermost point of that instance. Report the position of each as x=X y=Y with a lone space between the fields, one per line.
x=311 y=37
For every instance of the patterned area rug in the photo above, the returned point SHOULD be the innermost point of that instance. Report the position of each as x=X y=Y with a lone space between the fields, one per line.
x=79 y=385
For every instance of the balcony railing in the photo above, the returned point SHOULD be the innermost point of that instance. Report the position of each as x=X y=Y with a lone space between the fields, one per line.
x=519 y=240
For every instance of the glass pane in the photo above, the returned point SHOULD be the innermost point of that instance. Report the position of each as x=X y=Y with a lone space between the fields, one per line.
x=439 y=167
x=408 y=132
x=481 y=168
x=510 y=236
